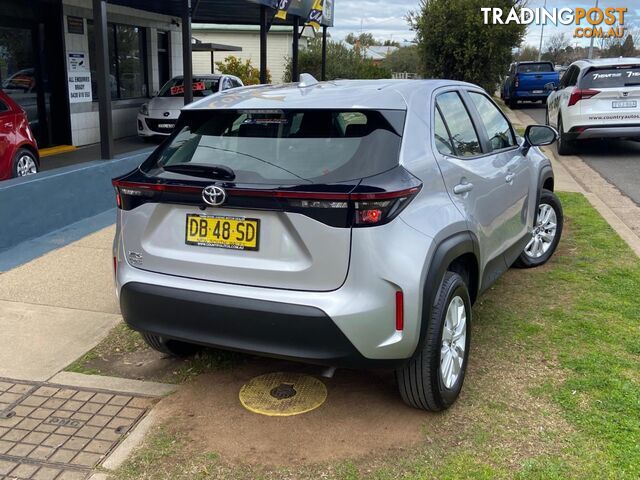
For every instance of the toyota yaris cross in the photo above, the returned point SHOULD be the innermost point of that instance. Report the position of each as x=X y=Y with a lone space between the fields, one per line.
x=346 y=223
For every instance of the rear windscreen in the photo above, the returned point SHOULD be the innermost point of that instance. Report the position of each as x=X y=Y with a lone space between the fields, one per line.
x=535 y=67
x=611 y=77
x=286 y=146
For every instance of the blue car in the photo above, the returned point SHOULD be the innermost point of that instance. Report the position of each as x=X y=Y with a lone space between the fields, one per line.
x=526 y=82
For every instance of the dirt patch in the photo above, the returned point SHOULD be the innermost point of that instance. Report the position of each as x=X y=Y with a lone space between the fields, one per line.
x=363 y=413
x=364 y=418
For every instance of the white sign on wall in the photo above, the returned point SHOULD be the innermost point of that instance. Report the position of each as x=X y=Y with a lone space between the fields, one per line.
x=79 y=77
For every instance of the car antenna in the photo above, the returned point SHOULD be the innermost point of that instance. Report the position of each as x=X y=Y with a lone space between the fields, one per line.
x=307 y=80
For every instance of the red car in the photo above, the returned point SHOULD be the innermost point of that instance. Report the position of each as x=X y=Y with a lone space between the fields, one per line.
x=18 y=148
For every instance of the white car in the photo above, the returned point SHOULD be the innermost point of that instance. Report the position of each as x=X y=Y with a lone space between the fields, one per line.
x=159 y=115
x=596 y=99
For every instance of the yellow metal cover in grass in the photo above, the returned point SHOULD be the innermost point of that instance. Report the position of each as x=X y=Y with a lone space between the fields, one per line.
x=282 y=394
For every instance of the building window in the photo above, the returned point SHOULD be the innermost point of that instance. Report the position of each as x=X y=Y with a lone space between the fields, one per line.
x=127 y=61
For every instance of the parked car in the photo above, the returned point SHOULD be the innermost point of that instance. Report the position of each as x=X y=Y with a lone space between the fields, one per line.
x=596 y=99
x=527 y=80
x=350 y=223
x=159 y=115
x=18 y=148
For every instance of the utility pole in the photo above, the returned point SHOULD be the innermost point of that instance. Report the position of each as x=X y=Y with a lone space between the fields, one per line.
x=541 y=35
x=591 y=42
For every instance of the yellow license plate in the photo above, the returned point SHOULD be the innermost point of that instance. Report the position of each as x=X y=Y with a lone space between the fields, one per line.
x=225 y=232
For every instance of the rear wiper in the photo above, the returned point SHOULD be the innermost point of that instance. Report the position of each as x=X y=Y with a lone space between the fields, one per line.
x=218 y=172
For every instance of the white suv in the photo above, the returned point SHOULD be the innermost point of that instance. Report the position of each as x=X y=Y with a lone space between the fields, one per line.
x=596 y=99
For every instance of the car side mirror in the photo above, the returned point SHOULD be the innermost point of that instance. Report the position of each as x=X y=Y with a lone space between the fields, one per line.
x=550 y=87
x=539 y=136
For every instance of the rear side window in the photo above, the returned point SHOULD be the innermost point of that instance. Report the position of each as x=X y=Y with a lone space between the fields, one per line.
x=612 y=77
x=498 y=128
x=463 y=134
x=287 y=146
x=443 y=140
x=535 y=67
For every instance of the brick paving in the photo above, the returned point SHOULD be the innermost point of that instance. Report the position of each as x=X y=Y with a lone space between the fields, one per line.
x=52 y=432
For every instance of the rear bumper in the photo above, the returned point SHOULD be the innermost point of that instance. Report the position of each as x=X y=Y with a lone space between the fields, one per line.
x=528 y=95
x=281 y=330
x=613 y=131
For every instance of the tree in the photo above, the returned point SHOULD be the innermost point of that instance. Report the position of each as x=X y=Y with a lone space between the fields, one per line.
x=391 y=43
x=246 y=72
x=527 y=53
x=556 y=51
x=364 y=39
x=404 y=59
x=454 y=42
x=619 y=47
x=342 y=62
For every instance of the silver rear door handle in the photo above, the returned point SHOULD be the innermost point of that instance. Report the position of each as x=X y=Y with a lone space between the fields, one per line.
x=462 y=188
x=509 y=178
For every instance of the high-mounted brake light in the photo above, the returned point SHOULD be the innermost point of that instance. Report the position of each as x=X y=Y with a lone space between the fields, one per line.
x=581 y=94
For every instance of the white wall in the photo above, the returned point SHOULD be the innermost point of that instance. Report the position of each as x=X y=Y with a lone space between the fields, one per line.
x=85 y=124
x=279 y=47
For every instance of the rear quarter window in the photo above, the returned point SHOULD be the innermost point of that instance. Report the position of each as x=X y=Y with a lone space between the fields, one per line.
x=612 y=77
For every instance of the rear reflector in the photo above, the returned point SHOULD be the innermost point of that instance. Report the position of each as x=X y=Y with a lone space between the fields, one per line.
x=399 y=311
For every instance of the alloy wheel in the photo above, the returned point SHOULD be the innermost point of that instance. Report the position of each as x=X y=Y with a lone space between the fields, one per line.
x=454 y=337
x=26 y=165
x=544 y=232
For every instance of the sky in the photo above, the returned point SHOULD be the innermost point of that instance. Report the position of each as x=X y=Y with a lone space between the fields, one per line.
x=386 y=19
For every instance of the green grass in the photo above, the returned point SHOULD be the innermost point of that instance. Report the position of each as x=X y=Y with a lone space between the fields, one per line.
x=573 y=326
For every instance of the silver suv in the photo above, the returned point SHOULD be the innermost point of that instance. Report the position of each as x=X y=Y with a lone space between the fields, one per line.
x=347 y=223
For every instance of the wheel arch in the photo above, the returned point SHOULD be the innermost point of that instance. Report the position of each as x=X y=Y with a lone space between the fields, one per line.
x=31 y=149
x=457 y=253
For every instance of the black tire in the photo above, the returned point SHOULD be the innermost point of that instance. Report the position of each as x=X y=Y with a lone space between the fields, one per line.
x=167 y=346
x=20 y=154
x=526 y=260
x=565 y=146
x=420 y=381
x=546 y=115
x=513 y=103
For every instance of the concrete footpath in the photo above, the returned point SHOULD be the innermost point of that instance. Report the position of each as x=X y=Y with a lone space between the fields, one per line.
x=55 y=424
x=573 y=174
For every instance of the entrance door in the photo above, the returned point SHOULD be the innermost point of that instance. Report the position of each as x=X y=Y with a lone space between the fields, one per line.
x=164 y=72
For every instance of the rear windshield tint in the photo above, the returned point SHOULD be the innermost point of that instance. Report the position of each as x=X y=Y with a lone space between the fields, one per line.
x=611 y=77
x=286 y=146
x=535 y=67
x=201 y=87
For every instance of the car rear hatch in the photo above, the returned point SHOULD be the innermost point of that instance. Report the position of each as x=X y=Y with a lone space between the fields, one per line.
x=609 y=94
x=264 y=198
x=533 y=77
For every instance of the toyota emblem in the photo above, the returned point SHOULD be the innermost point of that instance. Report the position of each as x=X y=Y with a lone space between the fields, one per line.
x=213 y=195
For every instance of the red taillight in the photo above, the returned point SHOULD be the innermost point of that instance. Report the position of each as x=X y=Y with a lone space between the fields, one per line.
x=399 y=311
x=581 y=94
x=360 y=209
x=369 y=216
x=517 y=81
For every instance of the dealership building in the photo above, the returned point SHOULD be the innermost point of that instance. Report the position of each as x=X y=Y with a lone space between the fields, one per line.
x=52 y=64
